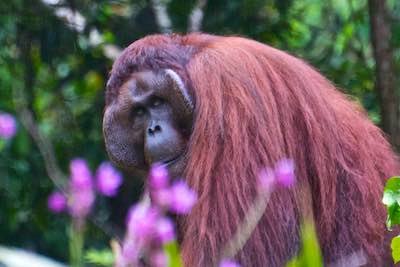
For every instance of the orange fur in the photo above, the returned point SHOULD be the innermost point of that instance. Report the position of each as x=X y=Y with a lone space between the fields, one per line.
x=255 y=105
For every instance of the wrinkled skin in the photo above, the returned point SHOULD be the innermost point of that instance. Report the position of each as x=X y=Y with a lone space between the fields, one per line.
x=149 y=121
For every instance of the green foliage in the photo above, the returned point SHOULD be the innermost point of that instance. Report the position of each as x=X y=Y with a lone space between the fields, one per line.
x=310 y=254
x=395 y=246
x=391 y=198
x=172 y=252
x=63 y=76
x=103 y=257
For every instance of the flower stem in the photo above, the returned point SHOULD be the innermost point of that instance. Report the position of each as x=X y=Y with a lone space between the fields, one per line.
x=76 y=242
x=244 y=230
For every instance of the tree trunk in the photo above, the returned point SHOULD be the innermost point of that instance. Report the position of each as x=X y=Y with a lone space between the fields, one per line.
x=385 y=83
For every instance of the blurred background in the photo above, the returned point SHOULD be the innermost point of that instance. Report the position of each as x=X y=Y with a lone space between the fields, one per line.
x=55 y=56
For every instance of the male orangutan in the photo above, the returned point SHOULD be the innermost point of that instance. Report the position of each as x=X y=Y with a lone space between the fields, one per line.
x=216 y=110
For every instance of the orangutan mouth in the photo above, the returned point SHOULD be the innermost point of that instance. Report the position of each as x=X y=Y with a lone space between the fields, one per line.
x=172 y=161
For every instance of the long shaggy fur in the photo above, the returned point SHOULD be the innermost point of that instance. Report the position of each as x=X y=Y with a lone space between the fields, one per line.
x=255 y=105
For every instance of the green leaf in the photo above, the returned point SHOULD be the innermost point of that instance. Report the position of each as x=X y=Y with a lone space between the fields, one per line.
x=395 y=246
x=311 y=251
x=295 y=262
x=172 y=251
x=310 y=254
x=393 y=184
x=103 y=257
x=393 y=217
x=391 y=198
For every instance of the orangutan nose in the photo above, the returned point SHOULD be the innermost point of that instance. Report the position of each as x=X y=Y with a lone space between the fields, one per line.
x=153 y=129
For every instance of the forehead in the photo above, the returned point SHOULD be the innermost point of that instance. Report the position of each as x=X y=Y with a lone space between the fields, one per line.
x=142 y=83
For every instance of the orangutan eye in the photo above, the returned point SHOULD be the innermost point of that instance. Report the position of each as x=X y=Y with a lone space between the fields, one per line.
x=138 y=111
x=156 y=101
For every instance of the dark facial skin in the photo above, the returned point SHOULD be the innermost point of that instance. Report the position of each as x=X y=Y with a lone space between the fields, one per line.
x=149 y=122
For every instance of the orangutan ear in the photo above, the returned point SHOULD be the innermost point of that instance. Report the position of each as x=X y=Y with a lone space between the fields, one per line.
x=180 y=90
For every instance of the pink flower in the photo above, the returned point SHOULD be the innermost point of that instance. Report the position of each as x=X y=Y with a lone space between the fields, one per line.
x=108 y=179
x=81 y=176
x=148 y=228
x=56 y=202
x=81 y=202
x=267 y=179
x=159 y=177
x=162 y=198
x=158 y=259
x=142 y=221
x=182 y=198
x=8 y=126
x=129 y=254
x=284 y=172
x=81 y=189
x=229 y=263
x=165 y=230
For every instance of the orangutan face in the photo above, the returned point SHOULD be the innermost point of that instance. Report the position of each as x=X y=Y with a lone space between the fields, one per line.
x=149 y=121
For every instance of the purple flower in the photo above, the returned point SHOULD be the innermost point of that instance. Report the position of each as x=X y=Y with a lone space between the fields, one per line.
x=158 y=259
x=81 y=189
x=56 y=202
x=142 y=221
x=8 y=126
x=182 y=198
x=165 y=230
x=108 y=179
x=267 y=179
x=162 y=197
x=228 y=263
x=129 y=254
x=284 y=172
x=80 y=174
x=159 y=177
x=81 y=202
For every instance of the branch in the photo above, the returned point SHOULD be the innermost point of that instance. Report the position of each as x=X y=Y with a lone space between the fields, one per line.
x=162 y=18
x=386 y=79
x=44 y=145
x=46 y=149
x=196 y=16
